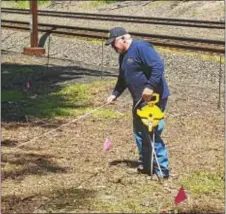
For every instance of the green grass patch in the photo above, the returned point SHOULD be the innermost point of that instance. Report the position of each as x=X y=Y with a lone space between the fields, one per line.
x=74 y=93
x=102 y=2
x=97 y=41
x=47 y=107
x=96 y=3
x=99 y=3
x=72 y=100
x=204 y=182
x=11 y=96
x=24 y=4
x=23 y=71
x=110 y=1
x=106 y=114
x=68 y=101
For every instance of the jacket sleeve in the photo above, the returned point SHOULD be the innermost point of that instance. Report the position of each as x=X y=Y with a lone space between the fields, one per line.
x=152 y=64
x=120 y=85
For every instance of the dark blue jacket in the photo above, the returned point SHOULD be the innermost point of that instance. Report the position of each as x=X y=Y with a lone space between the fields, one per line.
x=141 y=67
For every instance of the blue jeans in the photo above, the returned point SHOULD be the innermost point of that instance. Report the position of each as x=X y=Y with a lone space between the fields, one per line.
x=143 y=138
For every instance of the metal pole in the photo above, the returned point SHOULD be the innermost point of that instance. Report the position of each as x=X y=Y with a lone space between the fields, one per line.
x=34 y=49
x=219 y=90
x=155 y=156
x=102 y=62
x=48 y=52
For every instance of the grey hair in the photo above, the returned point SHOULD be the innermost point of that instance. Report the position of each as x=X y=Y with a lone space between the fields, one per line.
x=127 y=36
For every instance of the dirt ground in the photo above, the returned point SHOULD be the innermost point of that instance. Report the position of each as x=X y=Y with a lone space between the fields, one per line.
x=66 y=170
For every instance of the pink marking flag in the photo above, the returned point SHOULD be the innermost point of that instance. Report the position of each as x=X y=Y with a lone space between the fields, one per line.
x=28 y=85
x=107 y=144
x=181 y=196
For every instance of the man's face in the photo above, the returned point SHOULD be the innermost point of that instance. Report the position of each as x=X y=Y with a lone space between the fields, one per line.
x=119 y=45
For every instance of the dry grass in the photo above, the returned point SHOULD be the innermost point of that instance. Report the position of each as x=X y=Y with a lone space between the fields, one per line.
x=67 y=170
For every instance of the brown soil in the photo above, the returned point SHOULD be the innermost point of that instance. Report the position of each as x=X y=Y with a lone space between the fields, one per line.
x=67 y=170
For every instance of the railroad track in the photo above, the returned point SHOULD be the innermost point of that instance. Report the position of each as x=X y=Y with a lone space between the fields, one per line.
x=123 y=18
x=206 y=45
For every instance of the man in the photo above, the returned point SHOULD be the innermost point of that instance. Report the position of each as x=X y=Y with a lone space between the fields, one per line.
x=141 y=71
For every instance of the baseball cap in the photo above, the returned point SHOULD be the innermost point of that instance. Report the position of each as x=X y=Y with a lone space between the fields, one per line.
x=114 y=33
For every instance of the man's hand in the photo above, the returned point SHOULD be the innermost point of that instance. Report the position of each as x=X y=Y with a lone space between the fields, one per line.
x=147 y=94
x=111 y=98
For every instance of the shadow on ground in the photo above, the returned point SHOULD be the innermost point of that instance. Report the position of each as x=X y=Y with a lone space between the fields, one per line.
x=19 y=165
x=62 y=200
x=128 y=163
x=9 y=143
x=28 y=89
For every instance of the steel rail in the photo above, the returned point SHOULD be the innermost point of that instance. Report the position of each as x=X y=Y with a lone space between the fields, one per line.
x=124 y=18
x=216 y=46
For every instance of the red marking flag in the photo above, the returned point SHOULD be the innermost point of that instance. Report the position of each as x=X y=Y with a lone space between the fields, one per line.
x=107 y=144
x=181 y=196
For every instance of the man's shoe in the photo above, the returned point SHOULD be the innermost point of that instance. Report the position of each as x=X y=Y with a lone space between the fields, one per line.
x=165 y=177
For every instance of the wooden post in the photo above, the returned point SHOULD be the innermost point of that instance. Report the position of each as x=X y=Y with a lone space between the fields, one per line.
x=34 y=49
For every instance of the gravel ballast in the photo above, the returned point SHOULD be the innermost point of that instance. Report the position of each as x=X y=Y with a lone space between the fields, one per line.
x=180 y=67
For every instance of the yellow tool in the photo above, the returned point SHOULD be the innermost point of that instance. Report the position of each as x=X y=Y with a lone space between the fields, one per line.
x=151 y=114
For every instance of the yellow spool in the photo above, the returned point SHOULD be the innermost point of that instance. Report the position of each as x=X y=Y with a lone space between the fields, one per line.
x=151 y=114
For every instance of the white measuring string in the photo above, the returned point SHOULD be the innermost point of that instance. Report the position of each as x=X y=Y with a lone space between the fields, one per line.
x=76 y=119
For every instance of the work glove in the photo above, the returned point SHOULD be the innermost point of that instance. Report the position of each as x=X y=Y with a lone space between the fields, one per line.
x=147 y=94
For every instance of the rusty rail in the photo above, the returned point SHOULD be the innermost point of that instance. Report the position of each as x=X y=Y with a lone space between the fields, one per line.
x=206 y=45
x=124 y=18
